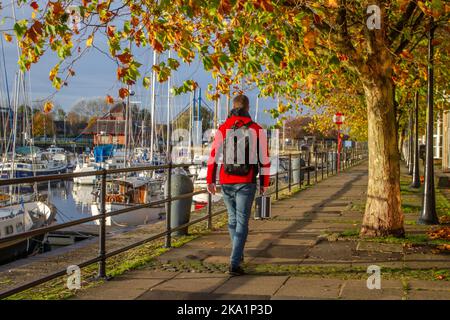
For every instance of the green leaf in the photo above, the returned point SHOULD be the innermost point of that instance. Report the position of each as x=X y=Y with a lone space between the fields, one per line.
x=20 y=27
x=173 y=63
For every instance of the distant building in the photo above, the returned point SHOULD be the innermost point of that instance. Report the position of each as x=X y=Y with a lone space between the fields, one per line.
x=110 y=128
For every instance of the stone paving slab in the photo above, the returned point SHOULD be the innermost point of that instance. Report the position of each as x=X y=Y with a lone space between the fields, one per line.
x=428 y=295
x=252 y=285
x=181 y=295
x=429 y=285
x=379 y=247
x=310 y=288
x=193 y=282
x=127 y=287
x=357 y=290
x=427 y=261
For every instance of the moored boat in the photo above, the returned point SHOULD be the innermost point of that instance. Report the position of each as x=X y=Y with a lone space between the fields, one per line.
x=19 y=218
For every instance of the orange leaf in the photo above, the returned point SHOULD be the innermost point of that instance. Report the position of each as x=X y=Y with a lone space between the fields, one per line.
x=406 y=54
x=110 y=31
x=48 y=106
x=125 y=57
x=123 y=93
x=57 y=8
x=225 y=7
x=332 y=3
x=121 y=72
x=309 y=40
x=109 y=99
x=266 y=5
x=7 y=37
x=157 y=45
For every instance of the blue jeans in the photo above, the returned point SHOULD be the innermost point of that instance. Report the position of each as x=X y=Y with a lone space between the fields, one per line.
x=238 y=199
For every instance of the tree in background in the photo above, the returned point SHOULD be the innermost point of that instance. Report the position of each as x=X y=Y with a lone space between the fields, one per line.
x=91 y=107
x=43 y=124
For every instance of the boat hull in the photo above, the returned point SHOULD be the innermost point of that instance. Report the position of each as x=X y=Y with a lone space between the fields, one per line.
x=27 y=173
x=10 y=251
x=133 y=218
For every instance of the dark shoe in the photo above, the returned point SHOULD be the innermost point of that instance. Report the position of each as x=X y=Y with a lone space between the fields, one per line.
x=236 y=271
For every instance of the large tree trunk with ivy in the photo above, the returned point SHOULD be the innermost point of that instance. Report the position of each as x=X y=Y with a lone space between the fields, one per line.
x=383 y=215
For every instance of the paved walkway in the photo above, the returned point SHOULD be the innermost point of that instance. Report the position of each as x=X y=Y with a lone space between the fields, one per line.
x=298 y=254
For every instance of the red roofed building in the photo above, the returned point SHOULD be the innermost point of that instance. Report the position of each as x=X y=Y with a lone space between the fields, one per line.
x=110 y=128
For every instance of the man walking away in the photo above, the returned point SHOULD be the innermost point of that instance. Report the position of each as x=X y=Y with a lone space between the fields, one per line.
x=241 y=147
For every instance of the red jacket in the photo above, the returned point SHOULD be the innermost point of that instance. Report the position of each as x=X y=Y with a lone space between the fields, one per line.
x=215 y=158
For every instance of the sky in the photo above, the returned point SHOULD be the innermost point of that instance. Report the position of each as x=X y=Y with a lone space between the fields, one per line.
x=96 y=77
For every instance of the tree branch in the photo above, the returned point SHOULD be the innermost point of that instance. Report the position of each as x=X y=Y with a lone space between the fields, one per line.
x=397 y=30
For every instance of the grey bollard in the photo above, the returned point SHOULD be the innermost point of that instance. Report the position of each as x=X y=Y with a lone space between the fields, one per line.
x=181 y=209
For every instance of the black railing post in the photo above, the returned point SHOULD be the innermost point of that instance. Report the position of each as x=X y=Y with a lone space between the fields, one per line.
x=102 y=226
x=328 y=162
x=290 y=172
x=276 y=181
x=300 y=170
x=332 y=162
x=209 y=223
x=169 y=206
x=309 y=168
x=321 y=164
x=315 y=167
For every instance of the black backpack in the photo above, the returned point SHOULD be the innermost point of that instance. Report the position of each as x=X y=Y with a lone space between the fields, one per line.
x=235 y=168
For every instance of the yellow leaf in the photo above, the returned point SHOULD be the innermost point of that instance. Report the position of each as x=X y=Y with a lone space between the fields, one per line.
x=7 y=37
x=89 y=41
x=33 y=15
x=48 y=106
x=332 y=3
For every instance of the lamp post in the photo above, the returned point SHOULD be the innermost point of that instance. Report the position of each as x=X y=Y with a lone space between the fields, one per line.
x=338 y=119
x=416 y=178
x=428 y=214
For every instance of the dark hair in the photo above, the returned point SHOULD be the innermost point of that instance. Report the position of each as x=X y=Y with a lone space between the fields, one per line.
x=241 y=102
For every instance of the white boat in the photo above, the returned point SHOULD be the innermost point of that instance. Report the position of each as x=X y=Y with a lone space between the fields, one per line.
x=128 y=192
x=19 y=218
x=85 y=167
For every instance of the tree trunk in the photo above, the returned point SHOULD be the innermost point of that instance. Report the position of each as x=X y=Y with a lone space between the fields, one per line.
x=383 y=215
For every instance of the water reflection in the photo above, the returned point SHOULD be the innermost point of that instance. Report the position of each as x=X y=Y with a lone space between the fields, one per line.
x=71 y=200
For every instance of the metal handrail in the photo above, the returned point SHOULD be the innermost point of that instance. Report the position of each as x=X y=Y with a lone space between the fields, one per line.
x=103 y=255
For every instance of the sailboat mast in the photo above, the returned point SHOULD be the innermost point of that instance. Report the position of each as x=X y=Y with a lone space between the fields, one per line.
x=192 y=99
x=152 y=107
x=257 y=108
x=168 y=138
x=216 y=108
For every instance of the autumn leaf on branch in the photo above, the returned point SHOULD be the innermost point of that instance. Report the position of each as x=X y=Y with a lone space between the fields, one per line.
x=7 y=37
x=109 y=99
x=89 y=41
x=125 y=58
x=110 y=31
x=34 y=5
x=123 y=93
x=48 y=106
